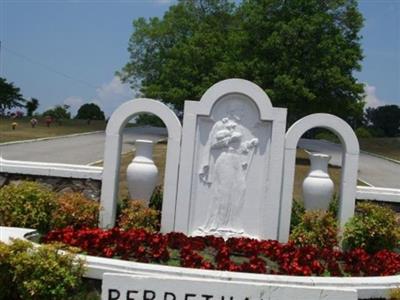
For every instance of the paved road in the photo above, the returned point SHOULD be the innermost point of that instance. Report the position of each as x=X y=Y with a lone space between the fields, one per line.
x=75 y=150
x=89 y=148
x=373 y=170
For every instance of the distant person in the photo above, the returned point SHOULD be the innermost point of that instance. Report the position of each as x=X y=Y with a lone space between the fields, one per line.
x=48 y=121
x=33 y=122
x=14 y=125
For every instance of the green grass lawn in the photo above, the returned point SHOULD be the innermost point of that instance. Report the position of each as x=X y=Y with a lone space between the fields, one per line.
x=24 y=131
x=389 y=147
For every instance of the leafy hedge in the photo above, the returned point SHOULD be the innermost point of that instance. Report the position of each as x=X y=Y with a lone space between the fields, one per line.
x=373 y=227
x=32 y=205
x=28 y=205
x=41 y=273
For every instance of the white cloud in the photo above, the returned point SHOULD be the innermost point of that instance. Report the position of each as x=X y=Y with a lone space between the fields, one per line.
x=112 y=94
x=74 y=102
x=371 y=98
x=162 y=2
x=108 y=97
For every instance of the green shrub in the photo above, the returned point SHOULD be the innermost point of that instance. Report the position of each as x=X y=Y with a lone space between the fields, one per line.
x=328 y=136
x=137 y=215
x=156 y=198
x=37 y=273
x=297 y=213
x=363 y=133
x=28 y=205
x=333 y=207
x=74 y=209
x=394 y=294
x=317 y=228
x=373 y=228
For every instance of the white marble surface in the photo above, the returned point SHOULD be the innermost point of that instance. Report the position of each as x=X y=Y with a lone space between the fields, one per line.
x=231 y=163
x=122 y=286
x=348 y=183
x=8 y=233
x=112 y=151
x=50 y=169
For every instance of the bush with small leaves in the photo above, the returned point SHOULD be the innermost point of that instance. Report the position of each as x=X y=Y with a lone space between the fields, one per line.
x=38 y=273
x=28 y=205
x=373 y=228
x=363 y=133
x=137 y=215
x=74 y=209
x=298 y=211
x=333 y=207
x=317 y=228
x=156 y=198
x=394 y=294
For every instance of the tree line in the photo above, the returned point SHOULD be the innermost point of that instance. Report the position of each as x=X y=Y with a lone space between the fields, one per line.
x=11 y=98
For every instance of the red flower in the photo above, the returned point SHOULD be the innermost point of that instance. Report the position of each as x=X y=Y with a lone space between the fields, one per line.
x=214 y=253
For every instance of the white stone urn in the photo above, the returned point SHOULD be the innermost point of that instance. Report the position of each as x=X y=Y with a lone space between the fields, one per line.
x=142 y=173
x=317 y=186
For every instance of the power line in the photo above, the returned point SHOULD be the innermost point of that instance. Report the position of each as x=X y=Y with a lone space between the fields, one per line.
x=48 y=68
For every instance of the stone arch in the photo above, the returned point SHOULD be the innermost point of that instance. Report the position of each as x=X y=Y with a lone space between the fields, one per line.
x=350 y=155
x=110 y=178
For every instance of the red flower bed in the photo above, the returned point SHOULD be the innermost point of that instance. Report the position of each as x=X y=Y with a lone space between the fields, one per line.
x=235 y=254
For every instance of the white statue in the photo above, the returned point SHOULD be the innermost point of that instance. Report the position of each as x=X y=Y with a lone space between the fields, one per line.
x=228 y=159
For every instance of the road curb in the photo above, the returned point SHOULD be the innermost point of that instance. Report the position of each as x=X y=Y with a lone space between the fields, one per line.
x=365 y=182
x=51 y=138
x=123 y=153
x=368 y=153
x=381 y=156
x=93 y=163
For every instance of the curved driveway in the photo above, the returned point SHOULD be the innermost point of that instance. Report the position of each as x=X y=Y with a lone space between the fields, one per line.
x=373 y=170
x=88 y=148
x=81 y=149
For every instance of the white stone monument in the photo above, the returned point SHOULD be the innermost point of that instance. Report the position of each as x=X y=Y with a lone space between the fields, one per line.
x=231 y=163
x=131 y=287
x=233 y=173
x=112 y=158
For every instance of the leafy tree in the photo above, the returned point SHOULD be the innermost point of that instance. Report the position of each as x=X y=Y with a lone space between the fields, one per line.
x=302 y=52
x=385 y=118
x=180 y=56
x=148 y=119
x=90 y=111
x=31 y=106
x=10 y=96
x=59 y=112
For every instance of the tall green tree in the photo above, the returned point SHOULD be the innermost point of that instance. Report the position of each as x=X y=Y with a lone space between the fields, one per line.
x=384 y=119
x=303 y=53
x=90 y=111
x=59 y=112
x=31 y=106
x=10 y=95
x=179 y=56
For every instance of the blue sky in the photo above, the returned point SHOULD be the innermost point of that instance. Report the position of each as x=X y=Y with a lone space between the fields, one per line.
x=62 y=51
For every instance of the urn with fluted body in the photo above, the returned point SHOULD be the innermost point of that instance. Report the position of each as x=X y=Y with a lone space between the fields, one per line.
x=318 y=186
x=142 y=173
